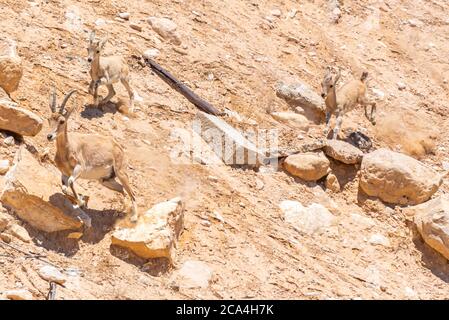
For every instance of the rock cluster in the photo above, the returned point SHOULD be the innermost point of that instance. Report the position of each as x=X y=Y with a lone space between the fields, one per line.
x=397 y=178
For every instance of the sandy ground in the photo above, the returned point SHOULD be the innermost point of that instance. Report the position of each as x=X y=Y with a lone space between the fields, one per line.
x=233 y=56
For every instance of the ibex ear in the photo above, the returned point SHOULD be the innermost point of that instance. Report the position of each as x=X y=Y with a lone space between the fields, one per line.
x=53 y=100
x=329 y=72
x=92 y=37
x=337 y=77
x=103 y=42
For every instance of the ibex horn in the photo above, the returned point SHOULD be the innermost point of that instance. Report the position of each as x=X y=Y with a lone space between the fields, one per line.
x=64 y=102
x=53 y=100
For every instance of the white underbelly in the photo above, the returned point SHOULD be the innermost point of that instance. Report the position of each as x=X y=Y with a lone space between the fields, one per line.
x=97 y=173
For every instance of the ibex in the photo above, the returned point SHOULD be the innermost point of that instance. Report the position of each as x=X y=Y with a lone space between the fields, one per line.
x=345 y=99
x=106 y=71
x=87 y=156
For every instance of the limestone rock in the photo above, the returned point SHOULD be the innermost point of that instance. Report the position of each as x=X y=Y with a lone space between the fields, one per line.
x=301 y=95
x=397 y=178
x=292 y=118
x=276 y=13
x=193 y=274
x=332 y=183
x=124 y=15
x=323 y=198
x=19 y=294
x=343 y=152
x=9 y=141
x=19 y=232
x=4 y=166
x=51 y=274
x=34 y=192
x=10 y=66
x=432 y=221
x=16 y=119
x=309 y=220
x=166 y=28
x=156 y=232
x=334 y=7
x=136 y=27
x=378 y=239
x=361 y=222
x=151 y=53
x=307 y=166
x=6 y=237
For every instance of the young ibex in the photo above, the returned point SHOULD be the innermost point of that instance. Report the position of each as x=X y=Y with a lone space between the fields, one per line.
x=345 y=99
x=87 y=156
x=106 y=71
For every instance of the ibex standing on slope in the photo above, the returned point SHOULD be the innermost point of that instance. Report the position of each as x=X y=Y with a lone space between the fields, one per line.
x=106 y=71
x=87 y=156
x=345 y=99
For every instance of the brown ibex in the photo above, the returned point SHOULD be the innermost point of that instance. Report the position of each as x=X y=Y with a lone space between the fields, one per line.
x=339 y=102
x=87 y=156
x=106 y=71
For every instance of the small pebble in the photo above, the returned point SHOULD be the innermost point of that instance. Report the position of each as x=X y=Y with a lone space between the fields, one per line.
x=135 y=27
x=401 y=86
x=276 y=13
x=9 y=141
x=124 y=15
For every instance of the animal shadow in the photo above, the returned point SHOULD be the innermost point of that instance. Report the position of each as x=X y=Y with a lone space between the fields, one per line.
x=91 y=111
x=155 y=267
x=103 y=222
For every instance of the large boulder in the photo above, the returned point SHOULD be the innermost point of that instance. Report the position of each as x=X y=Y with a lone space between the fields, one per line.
x=156 y=232
x=432 y=221
x=309 y=166
x=34 y=193
x=397 y=178
x=301 y=95
x=16 y=119
x=10 y=66
x=343 y=152
x=166 y=28
x=309 y=220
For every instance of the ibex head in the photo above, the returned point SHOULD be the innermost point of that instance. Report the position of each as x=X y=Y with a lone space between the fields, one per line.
x=329 y=82
x=95 y=47
x=58 y=118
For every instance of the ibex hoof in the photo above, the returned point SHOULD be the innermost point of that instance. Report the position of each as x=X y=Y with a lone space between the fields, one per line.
x=83 y=217
x=81 y=203
x=133 y=218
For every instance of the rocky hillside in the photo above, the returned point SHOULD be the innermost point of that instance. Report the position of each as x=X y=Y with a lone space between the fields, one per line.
x=329 y=222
